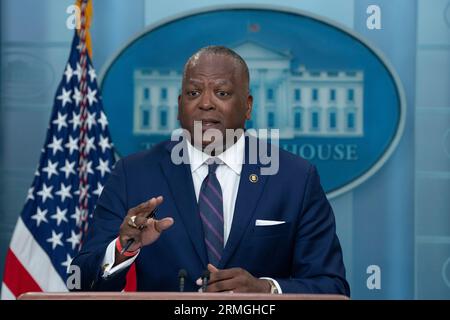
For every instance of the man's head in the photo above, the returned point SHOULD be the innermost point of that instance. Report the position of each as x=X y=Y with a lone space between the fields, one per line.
x=215 y=91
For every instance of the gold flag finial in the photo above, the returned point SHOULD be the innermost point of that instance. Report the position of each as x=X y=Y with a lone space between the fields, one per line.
x=88 y=16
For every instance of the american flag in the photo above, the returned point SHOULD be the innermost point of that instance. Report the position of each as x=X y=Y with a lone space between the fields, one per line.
x=74 y=165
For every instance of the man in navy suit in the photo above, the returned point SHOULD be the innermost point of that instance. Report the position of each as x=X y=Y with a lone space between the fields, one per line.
x=254 y=232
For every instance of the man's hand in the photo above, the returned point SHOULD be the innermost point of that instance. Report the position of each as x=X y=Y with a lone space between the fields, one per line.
x=144 y=231
x=234 y=280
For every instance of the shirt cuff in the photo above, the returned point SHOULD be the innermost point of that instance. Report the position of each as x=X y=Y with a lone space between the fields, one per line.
x=110 y=258
x=275 y=282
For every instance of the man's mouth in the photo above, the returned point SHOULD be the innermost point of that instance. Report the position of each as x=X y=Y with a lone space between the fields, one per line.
x=210 y=123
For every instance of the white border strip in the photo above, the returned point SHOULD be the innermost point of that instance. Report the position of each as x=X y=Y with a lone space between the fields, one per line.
x=401 y=125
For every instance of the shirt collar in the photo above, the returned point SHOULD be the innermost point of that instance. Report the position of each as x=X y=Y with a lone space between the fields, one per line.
x=233 y=157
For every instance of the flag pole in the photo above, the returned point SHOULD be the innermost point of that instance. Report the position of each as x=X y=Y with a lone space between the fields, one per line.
x=83 y=159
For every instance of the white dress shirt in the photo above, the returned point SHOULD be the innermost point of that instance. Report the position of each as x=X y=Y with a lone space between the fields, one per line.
x=228 y=173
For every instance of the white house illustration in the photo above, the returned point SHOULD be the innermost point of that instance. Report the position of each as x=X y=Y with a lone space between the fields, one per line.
x=301 y=102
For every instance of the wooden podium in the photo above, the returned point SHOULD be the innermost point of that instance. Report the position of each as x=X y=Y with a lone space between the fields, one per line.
x=174 y=296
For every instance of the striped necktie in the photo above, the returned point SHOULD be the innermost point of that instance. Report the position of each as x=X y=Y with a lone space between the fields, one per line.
x=210 y=205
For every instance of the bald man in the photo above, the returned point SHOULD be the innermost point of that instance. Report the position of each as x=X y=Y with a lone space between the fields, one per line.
x=215 y=210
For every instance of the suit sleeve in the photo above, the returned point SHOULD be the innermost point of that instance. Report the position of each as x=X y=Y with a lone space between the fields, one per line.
x=109 y=213
x=317 y=265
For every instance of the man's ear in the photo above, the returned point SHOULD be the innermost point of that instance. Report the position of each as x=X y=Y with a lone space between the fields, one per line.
x=248 y=113
x=179 y=106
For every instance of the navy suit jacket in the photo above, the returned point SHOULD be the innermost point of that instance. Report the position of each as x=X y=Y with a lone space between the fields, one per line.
x=303 y=254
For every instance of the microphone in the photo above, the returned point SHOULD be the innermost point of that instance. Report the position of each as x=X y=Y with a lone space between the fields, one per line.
x=205 y=279
x=182 y=274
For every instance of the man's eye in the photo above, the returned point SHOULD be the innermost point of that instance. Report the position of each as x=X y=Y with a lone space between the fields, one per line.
x=193 y=93
x=223 y=93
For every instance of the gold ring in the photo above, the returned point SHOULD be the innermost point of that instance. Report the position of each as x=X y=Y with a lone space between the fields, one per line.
x=132 y=222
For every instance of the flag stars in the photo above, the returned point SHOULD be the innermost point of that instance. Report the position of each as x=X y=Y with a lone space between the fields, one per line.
x=50 y=169
x=89 y=144
x=55 y=145
x=78 y=72
x=74 y=239
x=90 y=121
x=55 y=204
x=45 y=192
x=59 y=216
x=55 y=239
x=88 y=167
x=65 y=97
x=68 y=168
x=77 y=216
x=104 y=143
x=92 y=74
x=77 y=96
x=68 y=73
x=51 y=200
x=103 y=167
x=68 y=262
x=91 y=96
x=64 y=192
x=61 y=121
x=30 y=195
x=103 y=121
x=99 y=189
x=75 y=121
x=39 y=216
x=72 y=145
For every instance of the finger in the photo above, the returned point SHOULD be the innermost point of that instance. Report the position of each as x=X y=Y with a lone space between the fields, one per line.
x=127 y=225
x=159 y=200
x=225 y=274
x=225 y=285
x=131 y=233
x=163 y=224
x=141 y=211
x=212 y=268
x=140 y=222
x=146 y=207
x=142 y=205
x=152 y=204
x=131 y=222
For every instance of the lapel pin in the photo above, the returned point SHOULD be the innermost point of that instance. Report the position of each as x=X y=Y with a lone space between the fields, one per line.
x=253 y=178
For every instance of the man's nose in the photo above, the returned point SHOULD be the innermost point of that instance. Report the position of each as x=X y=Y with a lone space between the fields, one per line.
x=206 y=102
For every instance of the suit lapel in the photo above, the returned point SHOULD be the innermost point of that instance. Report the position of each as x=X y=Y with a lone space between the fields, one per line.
x=249 y=193
x=182 y=187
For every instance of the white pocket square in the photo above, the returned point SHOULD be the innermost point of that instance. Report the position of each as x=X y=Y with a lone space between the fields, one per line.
x=268 y=222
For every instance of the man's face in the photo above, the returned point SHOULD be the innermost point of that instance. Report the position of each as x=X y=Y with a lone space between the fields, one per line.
x=215 y=92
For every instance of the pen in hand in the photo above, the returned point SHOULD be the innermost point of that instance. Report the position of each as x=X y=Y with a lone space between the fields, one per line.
x=152 y=214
